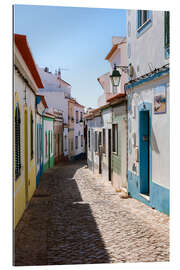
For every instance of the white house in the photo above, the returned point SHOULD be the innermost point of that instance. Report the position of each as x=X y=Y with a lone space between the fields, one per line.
x=148 y=107
x=56 y=92
x=79 y=144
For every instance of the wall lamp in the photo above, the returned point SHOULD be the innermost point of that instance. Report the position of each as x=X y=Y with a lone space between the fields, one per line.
x=116 y=76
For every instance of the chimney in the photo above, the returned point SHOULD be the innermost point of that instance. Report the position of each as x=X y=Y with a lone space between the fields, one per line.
x=46 y=69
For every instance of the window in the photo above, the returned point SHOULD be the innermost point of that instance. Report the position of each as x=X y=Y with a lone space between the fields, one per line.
x=100 y=139
x=81 y=116
x=77 y=116
x=65 y=143
x=89 y=139
x=115 y=138
x=81 y=140
x=72 y=145
x=17 y=142
x=166 y=33
x=142 y=17
x=104 y=140
x=144 y=20
x=76 y=142
x=32 y=121
x=96 y=141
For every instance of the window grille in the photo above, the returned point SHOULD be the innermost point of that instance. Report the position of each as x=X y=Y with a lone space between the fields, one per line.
x=17 y=142
x=32 y=121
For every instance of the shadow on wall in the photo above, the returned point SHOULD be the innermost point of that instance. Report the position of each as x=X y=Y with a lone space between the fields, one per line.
x=154 y=142
x=71 y=235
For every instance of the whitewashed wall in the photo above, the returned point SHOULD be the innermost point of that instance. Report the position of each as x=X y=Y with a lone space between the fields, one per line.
x=78 y=131
x=48 y=125
x=58 y=101
x=148 y=48
x=160 y=137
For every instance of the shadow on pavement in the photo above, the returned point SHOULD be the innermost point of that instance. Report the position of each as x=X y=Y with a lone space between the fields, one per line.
x=58 y=227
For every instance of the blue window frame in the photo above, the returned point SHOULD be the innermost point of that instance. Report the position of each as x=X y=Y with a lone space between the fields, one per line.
x=166 y=33
x=144 y=21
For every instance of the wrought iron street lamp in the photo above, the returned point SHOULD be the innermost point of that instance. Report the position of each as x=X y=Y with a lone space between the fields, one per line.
x=116 y=76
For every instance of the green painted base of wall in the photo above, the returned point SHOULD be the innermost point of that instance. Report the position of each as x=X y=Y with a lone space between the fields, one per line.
x=48 y=164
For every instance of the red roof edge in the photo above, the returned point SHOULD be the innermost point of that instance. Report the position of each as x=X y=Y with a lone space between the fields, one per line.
x=43 y=100
x=119 y=95
x=22 y=45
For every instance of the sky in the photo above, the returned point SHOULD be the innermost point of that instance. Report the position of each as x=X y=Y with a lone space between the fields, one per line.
x=72 y=38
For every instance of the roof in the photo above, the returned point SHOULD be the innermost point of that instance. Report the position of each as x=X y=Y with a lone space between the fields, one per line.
x=110 y=101
x=52 y=82
x=119 y=95
x=23 y=47
x=72 y=100
x=43 y=100
x=156 y=73
x=114 y=47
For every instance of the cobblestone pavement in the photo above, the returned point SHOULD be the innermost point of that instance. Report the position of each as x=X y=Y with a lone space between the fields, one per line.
x=75 y=218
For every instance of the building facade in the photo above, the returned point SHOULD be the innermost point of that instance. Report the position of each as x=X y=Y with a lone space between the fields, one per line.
x=79 y=143
x=58 y=136
x=148 y=107
x=26 y=84
x=48 y=140
x=57 y=93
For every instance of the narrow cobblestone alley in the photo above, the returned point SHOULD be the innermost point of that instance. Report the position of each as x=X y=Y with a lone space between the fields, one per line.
x=75 y=218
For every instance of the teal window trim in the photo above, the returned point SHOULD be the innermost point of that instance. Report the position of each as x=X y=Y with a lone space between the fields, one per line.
x=141 y=26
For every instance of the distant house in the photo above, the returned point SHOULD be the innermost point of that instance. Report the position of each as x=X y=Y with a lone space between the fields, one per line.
x=58 y=136
x=57 y=92
x=48 y=140
x=76 y=129
x=107 y=125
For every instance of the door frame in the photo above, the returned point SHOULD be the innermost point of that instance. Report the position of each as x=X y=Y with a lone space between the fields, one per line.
x=109 y=154
x=49 y=149
x=145 y=107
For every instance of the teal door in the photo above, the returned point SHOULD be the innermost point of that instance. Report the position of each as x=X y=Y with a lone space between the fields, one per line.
x=144 y=152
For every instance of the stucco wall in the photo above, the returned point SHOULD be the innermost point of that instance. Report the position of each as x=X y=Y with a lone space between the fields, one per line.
x=148 y=48
x=78 y=131
x=19 y=184
x=58 y=101
x=160 y=145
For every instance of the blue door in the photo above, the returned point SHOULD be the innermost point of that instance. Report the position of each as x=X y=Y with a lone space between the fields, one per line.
x=144 y=152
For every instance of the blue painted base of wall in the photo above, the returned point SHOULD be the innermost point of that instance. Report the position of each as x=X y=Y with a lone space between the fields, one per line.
x=159 y=196
x=39 y=175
